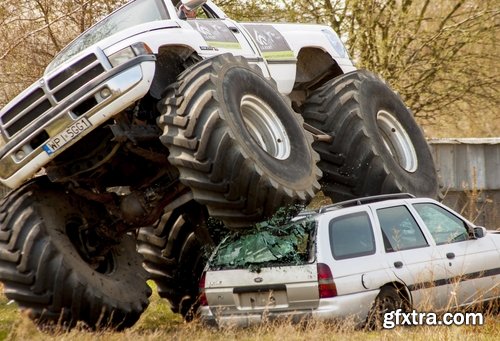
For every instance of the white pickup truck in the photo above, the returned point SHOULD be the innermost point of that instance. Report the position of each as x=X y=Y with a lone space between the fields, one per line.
x=150 y=118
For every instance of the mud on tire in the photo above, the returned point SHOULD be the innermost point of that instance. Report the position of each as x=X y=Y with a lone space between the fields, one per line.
x=174 y=251
x=236 y=142
x=47 y=275
x=378 y=147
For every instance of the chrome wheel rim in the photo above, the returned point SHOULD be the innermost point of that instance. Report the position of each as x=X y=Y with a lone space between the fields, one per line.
x=265 y=127
x=397 y=141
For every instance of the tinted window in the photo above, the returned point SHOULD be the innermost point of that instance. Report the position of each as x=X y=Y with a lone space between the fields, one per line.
x=399 y=229
x=351 y=236
x=444 y=226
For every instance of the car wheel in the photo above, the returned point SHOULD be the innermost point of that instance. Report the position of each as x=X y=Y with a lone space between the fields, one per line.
x=175 y=250
x=389 y=299
x=377 y=146
x=236 y=142
x=54 y=265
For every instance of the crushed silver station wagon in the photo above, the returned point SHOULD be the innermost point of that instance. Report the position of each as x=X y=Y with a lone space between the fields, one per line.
x=359 y=258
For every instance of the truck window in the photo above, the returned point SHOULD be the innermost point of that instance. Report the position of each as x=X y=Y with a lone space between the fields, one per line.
x=132 y=14
x=444 y=227
x=351 y=236
x=399 y=229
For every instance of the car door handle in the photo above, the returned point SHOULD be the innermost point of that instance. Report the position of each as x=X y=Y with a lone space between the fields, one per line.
x=450 y=255
x=234 y=29
x=398 y=264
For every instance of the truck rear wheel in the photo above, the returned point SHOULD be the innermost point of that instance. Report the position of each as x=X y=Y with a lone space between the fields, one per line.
x=175 y=250
x=377 y=148
x=236 y=142
x=56 y=268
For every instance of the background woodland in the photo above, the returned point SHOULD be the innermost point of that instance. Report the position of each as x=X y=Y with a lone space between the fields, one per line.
x=441 y=56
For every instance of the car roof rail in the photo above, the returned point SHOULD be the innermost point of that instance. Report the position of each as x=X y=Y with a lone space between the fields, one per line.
x=365 y=200
x=306 y=213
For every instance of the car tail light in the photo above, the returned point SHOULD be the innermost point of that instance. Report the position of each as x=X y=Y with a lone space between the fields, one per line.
x=203 y=296
x=326 y=285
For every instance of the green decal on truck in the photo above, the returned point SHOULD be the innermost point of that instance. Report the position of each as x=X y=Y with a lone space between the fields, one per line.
x=272 y=44
x=216 y=33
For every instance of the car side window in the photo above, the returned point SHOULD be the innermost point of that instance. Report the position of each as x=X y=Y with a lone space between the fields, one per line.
x=351 y=236
x=399 y=229
x=444 y=227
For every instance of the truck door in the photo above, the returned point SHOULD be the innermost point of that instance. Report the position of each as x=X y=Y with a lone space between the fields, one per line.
x=274 y=48
x=223 y=36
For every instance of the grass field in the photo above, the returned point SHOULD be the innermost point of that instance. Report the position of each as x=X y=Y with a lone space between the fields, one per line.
x=159 y=323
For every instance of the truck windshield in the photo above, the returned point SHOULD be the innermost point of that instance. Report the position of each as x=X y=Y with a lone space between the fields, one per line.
x=290 y=244
x=132 y=14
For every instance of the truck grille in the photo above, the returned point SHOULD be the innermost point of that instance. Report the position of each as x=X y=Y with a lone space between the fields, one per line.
x=57 y=88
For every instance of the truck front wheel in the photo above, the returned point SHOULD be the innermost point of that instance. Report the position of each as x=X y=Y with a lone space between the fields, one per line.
x=236 y=142
x=55 y=266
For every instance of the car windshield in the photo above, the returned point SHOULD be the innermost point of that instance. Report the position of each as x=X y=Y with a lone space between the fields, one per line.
x=134 y=13
x=290 y=244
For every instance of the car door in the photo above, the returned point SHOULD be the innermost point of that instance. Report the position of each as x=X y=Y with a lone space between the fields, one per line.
x=347 y=245
x=472 y=264
x=411 y=256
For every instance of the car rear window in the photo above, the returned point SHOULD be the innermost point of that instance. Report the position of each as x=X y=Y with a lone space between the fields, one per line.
x=351 y=236
x=291 y=244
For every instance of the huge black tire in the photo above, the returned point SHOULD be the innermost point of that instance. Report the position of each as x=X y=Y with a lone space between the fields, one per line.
x=42 y=261
x=236 y=142
x=175 y=250
x=378 y=147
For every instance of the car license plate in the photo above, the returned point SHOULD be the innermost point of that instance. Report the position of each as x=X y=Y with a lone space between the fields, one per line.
x=70 y=133
x=269 y=299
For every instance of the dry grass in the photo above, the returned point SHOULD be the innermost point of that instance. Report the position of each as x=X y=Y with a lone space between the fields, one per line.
x=159 y=323
x=25 y=330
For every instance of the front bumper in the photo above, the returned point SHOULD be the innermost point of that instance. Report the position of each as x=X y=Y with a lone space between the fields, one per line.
x=132 y=78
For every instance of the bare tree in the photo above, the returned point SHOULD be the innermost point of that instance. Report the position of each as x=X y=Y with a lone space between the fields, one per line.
x=437 y=54
x=33 y=31
x=440 y=55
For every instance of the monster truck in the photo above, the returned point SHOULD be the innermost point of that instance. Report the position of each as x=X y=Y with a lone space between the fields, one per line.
x=149 y=123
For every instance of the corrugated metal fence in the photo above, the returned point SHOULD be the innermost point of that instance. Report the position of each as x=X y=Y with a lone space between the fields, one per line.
x=469 y=170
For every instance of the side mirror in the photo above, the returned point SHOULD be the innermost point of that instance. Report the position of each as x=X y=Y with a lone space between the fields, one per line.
x=479 y=232
x=192 y=4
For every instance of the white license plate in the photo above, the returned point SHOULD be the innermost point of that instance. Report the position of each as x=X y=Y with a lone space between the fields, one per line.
x=270 y=299
x=70 y=133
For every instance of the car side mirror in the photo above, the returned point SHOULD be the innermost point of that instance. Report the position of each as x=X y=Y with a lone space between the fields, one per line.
x=479 y=232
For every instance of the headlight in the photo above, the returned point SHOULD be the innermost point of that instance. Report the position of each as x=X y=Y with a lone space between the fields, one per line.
x=337 y=44
x=128 y=53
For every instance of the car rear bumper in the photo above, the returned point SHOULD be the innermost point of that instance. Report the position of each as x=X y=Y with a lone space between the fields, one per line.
x=353 y=307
